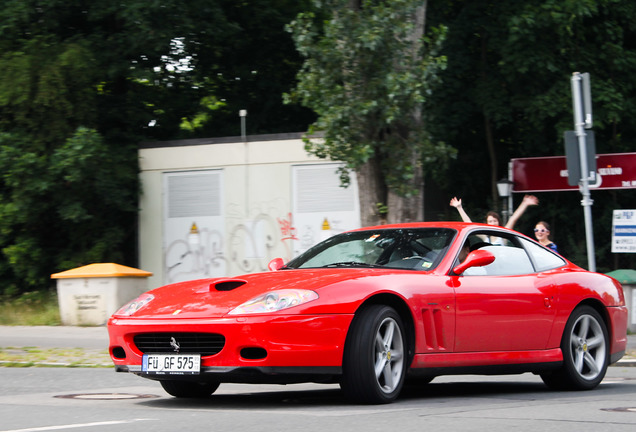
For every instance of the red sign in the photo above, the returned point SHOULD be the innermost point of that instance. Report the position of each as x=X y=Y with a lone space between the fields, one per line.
x=543 y=174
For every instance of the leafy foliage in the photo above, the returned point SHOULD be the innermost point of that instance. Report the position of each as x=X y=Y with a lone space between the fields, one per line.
x=62 y=210
x=367 y=75
x=84 y=81
x=508 y=83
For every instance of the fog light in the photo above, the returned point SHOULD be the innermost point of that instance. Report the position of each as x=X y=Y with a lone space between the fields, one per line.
x=118 y=353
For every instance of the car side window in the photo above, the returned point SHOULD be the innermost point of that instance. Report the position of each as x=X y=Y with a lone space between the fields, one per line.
x=543 y=258
x=510 y=258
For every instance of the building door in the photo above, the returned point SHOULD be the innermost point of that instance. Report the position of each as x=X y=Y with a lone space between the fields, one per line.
x=193 y=225
x=321 y=207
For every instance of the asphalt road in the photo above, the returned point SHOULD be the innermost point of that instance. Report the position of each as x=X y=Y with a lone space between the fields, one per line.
x=99 y=399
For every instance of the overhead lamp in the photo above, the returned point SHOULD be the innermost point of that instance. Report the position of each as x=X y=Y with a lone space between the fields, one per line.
x=504 y=187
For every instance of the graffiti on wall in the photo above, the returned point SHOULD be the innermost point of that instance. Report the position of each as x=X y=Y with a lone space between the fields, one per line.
x=251 y=244
x=198 y=254
x=247 y=246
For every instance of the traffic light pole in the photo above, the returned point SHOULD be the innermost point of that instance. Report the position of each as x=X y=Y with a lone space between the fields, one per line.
x=580 y=123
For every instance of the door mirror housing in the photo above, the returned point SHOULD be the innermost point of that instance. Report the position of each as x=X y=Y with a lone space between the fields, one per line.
x=477 y=258
x=276 y=264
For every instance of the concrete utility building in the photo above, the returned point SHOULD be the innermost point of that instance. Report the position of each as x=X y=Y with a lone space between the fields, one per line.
x=225 y=206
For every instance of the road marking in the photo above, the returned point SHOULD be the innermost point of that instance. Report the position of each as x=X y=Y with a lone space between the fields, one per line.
x=75 y=425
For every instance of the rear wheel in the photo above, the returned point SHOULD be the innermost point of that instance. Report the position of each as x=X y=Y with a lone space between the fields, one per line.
x=585 y=350
x=189 y=389
x=375 y=356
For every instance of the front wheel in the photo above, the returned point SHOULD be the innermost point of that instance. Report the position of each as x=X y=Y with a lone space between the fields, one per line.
x=585 y=351
x=375 y=356
x=189 y=389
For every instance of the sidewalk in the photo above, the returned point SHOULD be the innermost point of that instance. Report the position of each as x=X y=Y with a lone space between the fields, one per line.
x=54 y=337
x=88 y=346
x=56 y=346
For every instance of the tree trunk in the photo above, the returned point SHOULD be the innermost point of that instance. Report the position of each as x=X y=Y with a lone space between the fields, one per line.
x=492 y=156
x=490 y=141
x=371 y=192
x=411 y=208
x=407 y=209
x=371 y=187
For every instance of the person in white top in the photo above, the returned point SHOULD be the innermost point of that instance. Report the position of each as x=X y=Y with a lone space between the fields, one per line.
x=492 y=218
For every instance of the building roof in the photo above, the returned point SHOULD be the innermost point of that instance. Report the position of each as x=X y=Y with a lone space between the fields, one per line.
x=101 y=270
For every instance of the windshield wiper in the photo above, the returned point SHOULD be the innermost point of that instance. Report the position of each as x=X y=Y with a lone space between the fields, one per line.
x=351 y=264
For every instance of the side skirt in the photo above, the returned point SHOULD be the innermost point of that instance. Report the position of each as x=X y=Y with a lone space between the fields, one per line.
x=487 y=363
x=535 y=368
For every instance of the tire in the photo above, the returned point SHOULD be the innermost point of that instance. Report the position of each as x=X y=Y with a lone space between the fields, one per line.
x=189 y=389
x=585 y=348
x=375 y=356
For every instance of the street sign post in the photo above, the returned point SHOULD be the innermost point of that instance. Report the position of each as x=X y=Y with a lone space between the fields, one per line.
x=572 y=155
x=582 y=107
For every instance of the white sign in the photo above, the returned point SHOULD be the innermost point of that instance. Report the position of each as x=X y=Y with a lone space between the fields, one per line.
x=624 y=231
x=171 y=364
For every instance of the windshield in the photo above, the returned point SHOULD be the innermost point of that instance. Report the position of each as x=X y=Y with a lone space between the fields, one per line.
x=415 y=249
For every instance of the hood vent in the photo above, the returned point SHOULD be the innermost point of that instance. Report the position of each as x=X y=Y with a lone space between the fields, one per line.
x=226 y=284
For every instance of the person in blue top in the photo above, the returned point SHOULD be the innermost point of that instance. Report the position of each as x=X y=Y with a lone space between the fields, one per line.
x=542 y=233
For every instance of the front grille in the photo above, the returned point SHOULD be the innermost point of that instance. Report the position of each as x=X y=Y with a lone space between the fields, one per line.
x=205 y=344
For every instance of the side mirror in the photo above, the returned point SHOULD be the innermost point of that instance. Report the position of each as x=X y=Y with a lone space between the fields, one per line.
x=276 y=264
x=477 y=258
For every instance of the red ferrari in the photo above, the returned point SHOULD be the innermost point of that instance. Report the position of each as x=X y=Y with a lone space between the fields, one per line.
x=373 y=307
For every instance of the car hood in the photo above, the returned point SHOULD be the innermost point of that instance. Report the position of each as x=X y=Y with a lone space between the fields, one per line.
x=216 y=297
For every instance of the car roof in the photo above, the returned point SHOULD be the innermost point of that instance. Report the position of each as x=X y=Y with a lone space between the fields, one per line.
x=459 y=226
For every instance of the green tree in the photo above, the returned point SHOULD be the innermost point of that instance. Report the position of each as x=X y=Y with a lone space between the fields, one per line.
x=248 y=63
x=368 y=71
x=62 y=210
x=507 y=94
x=84 y=81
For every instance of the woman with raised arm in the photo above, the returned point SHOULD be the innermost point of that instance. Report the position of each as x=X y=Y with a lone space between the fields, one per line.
x=492 y=218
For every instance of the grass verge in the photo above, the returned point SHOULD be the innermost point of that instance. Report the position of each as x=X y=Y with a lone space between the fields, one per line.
x=31 y=309
x=53 y=357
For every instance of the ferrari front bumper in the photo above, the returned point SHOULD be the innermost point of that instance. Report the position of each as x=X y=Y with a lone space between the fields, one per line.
x=297 y=345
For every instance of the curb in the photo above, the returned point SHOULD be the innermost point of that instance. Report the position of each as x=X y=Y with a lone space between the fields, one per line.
x=626 y=362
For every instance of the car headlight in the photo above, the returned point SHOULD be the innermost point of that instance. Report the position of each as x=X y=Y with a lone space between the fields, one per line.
x=135 y=305
x=275 y=301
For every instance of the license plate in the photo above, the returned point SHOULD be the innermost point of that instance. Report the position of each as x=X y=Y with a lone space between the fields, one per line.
x=171 y=364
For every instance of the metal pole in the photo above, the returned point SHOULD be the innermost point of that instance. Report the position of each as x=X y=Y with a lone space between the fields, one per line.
x=584 y=184
x=510 y=201
x=243 y=114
